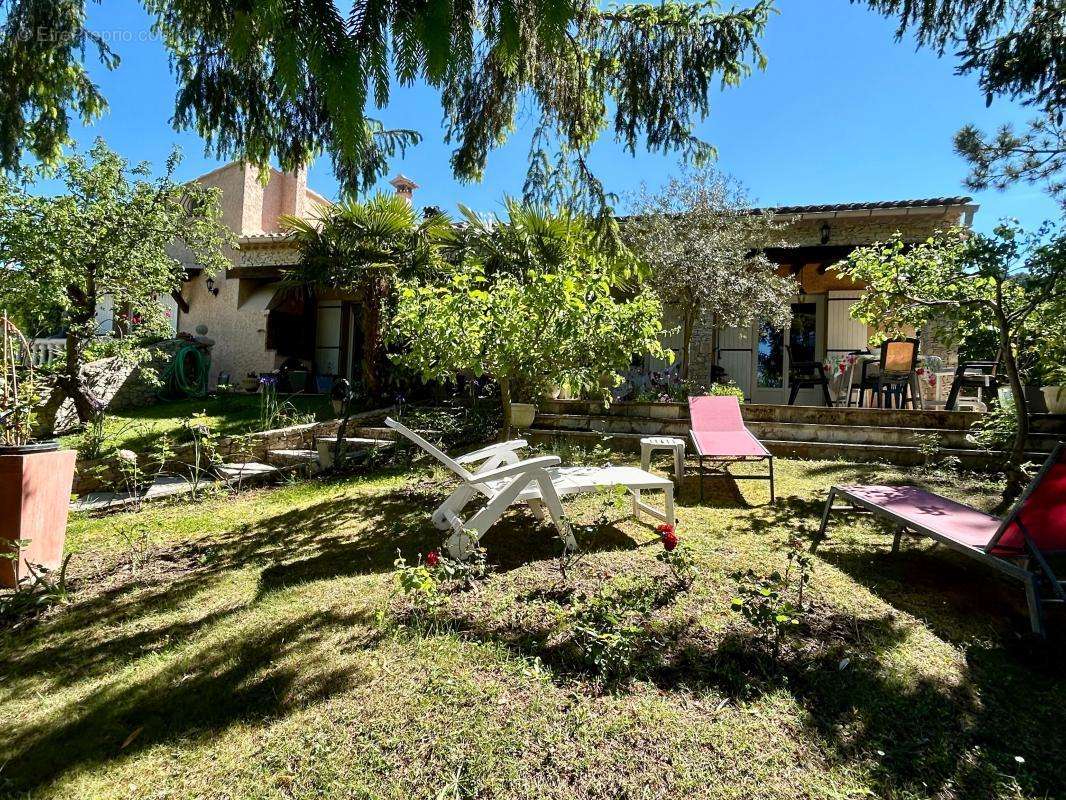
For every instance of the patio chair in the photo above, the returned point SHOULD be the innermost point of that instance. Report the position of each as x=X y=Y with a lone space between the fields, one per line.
x=505 y=480
x=806 y=375
x=1018 y=545
x=894 y=376
x=720 y=435
x=980 y=375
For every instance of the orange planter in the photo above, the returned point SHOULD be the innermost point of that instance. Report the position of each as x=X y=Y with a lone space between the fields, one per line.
x=34 y=499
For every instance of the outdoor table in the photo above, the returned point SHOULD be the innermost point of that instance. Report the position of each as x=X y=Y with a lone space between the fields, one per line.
x=651 y=443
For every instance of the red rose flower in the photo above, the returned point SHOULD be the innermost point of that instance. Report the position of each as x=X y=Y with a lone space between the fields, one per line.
x=669 y=541
x=432 y=558
x=665 y=528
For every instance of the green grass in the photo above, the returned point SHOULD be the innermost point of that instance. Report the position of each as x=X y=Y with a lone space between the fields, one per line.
x=255 y=655
x=228 y=415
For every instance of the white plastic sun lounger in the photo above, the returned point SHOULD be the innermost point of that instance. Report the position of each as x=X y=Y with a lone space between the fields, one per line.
x=505 y=480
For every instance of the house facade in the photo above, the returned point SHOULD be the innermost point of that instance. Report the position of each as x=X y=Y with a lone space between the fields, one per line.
x=242 y=307
x=259 y=323
x=816 y=238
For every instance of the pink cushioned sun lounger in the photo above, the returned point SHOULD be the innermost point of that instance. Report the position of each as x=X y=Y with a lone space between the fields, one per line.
x=720 y=435
x=1017 y=545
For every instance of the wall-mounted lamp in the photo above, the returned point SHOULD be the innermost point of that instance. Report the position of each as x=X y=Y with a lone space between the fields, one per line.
x=825 y=233
x=211 y=287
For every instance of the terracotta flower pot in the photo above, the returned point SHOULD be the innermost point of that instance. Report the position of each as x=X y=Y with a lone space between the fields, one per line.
x=34 y=498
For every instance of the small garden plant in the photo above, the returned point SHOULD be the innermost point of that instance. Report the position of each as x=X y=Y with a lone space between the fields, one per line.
x=764 y=599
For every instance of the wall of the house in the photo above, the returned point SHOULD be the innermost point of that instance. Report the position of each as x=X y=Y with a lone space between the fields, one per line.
x=860 y=230
x=236 y=318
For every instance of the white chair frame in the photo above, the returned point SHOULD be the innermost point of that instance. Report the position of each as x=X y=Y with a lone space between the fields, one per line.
x=505 y=480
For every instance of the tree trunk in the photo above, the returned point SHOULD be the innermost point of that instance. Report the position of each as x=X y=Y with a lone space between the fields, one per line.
x=372 y=339
x=1016 y=478
x=70 y=382
x=686 y=342
x=505 y=400
x=714 y=346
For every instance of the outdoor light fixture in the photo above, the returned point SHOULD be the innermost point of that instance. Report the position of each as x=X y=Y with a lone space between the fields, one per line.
x=211 y=287
x=825 y=233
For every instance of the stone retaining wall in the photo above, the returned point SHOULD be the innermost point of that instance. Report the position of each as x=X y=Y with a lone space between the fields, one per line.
x=103 y=474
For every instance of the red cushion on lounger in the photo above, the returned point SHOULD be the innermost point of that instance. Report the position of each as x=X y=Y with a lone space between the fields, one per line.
x=715 y=414
x=1043 y=514
x=729 y=444
x=952 y=520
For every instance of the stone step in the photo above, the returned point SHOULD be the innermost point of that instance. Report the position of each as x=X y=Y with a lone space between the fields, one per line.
x=325 y=447
x=855 y=434
x=785 y=431
x=247 y=471
x=291 y=458
x=893 y=454
x=760 y=412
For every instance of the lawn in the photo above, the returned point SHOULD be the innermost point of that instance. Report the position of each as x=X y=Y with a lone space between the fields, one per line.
x=258 y=649
x=228 y=415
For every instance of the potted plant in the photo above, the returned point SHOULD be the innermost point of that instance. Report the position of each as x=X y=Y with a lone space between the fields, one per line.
x=35 y=476
x=1053 y=387
x=250 y=382
x=523 y=414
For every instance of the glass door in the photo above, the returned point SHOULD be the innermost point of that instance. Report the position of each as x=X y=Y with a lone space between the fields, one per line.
x=805 y=340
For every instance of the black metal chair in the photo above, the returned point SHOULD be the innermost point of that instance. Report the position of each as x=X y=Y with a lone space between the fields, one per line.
x=806 y=375
x=979 y=375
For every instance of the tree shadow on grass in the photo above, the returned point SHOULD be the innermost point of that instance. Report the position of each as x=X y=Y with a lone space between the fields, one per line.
x=959 y=599
x=250 y=676
x=789 y=513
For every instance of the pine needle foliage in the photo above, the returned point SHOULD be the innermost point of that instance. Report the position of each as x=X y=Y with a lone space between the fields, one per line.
x=289 y=79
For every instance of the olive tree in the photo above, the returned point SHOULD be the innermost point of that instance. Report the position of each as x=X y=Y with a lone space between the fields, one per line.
x=1009 y=280
x=702 y=243
x=114 y=232
x=560 y=311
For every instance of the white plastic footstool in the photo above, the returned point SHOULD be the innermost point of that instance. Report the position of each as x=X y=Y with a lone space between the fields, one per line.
x=651 y=443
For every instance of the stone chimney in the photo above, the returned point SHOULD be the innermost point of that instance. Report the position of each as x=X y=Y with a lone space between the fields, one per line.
x=405 y=187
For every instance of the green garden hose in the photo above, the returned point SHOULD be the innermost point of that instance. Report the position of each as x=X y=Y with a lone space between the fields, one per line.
x=186 y=374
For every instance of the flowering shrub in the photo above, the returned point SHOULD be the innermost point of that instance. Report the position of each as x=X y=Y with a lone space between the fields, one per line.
x=761 y=599
x=425 y=582
x=275 y=413
x=420 y=584
x=676 y=556
x=668 y=386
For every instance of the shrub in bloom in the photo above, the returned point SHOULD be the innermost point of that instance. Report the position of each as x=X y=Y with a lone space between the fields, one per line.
x=669 y=536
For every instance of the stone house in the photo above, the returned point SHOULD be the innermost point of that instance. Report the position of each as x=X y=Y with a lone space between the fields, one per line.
x=815 y=238
x=256 y=320
x=258 y=323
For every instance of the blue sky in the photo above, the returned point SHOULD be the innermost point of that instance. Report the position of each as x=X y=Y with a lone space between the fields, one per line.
x=842 y=113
